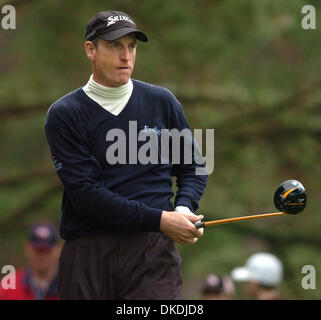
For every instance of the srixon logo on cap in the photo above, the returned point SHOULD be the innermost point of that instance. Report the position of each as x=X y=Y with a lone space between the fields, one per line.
x=114 y=19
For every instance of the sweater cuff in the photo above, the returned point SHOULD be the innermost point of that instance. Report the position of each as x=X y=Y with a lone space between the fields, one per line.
x=185 y=203
x=151 y=220
x=183 y=209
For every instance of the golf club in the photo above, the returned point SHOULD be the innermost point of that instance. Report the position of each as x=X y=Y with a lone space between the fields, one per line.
x=290 y=198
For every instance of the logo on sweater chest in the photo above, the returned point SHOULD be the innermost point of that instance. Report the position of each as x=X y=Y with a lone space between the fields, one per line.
x=155 y=130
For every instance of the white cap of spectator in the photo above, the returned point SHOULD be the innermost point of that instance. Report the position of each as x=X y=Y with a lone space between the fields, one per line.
x=263 y=268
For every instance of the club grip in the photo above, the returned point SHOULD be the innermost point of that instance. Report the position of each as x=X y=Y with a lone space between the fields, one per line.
x=199 y=224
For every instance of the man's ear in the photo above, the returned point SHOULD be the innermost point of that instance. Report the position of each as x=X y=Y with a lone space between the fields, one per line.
x=90 y=49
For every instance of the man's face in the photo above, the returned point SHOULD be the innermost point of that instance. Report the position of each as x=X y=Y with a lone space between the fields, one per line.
x=113 y=61
x=251 y=289
x=41 y=259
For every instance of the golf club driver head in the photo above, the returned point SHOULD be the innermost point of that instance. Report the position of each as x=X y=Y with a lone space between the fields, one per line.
x=290 y=197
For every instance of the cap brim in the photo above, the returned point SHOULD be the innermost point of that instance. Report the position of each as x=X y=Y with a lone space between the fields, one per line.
x=118 y=33
x=240 y=274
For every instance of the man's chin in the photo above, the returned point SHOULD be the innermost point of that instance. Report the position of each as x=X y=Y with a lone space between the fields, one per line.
x=115 y=82
x=124 y=79
x=121 y=82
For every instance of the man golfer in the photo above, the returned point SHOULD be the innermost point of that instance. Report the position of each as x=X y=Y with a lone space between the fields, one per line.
x=117 y=218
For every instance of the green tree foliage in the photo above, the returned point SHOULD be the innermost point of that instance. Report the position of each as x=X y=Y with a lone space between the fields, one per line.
x=244 y=68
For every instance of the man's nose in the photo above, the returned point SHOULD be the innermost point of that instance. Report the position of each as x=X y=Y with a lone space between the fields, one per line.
x=125 y=54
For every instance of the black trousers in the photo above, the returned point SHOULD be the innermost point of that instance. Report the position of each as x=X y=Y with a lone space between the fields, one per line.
x=145 y=266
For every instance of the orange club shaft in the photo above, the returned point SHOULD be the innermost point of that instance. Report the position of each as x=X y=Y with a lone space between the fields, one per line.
x=230 y=220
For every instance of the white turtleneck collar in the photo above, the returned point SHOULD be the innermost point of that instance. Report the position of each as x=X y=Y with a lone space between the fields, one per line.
x=112 y=99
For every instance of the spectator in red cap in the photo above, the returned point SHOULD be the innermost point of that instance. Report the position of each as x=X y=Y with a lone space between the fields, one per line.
x=37 y=281
x=217 y=288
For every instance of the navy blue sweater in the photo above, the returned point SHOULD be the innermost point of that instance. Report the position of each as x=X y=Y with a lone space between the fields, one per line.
x=100 y=198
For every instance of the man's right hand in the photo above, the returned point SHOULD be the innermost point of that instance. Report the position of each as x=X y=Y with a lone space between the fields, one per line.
x=180 y=226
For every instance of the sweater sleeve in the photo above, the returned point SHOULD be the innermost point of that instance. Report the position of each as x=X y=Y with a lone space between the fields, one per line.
x=190 y=186
x=80 y=174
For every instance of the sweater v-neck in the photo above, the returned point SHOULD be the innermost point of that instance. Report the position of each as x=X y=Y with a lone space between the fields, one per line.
x=102 y=109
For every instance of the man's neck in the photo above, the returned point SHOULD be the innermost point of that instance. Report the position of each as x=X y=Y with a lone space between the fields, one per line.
x=103 y=91
x=111 y=85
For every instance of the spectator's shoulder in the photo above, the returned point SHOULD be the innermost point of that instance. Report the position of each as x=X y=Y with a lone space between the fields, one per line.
x=14 y=294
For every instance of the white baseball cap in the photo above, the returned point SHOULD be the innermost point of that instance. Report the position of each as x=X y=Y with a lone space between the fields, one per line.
x=263 y=268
